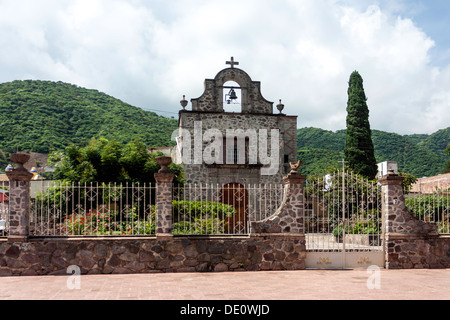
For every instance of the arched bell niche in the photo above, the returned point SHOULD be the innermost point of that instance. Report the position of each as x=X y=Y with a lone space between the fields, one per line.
x=251 y=99
x=232 y=97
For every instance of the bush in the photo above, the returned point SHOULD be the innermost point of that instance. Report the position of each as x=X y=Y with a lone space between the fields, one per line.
x=190 y=210
x=189 y=218
x=100 y=224
x=361 y=227
x=200 y=227
x=200 y=217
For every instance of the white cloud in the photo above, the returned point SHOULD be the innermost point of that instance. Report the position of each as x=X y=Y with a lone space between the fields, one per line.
x=150 y=53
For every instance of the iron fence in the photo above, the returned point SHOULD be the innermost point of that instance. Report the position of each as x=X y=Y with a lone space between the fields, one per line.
x=93 y=209
x=213 y=209
x=343 y=212
x=74 y=209
x=431 y=207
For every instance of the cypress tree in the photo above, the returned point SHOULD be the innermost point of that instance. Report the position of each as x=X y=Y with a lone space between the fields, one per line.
x=359 y=150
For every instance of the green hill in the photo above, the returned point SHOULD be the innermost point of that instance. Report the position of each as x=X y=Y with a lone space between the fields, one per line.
x=420 y=155
x=43 y=116
x=437 y=142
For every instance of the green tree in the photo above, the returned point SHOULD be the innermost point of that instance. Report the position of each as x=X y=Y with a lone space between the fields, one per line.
x=109 y=161
x=359 y=149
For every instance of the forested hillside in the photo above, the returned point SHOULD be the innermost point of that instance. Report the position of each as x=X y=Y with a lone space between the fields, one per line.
x=420 y=155
x=43 y=116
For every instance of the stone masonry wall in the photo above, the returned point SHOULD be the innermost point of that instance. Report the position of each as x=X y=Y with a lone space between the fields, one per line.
x=290 y=138
x=152 y=255
x=410 y=243
x=200 y=173
x=289 y=218
x=19 y=194
x=252 y=99
x=418 y=253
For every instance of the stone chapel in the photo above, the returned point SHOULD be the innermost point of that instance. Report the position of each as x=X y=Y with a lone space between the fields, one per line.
x=249 y=141
x=242 y=158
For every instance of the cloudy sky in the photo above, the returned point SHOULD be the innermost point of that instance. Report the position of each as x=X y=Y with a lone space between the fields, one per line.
x=150 y=53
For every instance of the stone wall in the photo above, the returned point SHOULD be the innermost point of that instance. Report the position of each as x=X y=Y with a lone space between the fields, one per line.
x=289 y=218
x=153 y=255
x=290 y=138
x=410 y=243
x=415 y=252
x=22 y=255
x=276 y=243
x=237 y=173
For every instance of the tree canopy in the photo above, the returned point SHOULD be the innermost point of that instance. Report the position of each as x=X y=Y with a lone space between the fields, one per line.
x=109 y=161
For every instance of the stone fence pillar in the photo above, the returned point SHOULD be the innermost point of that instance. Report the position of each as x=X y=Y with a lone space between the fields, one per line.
x=289 y=218
x=164 y=196
x=19 y=199
x=404 y=233
x=396 y=218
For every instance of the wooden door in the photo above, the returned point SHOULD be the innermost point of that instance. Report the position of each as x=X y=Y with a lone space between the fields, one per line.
x=237 y=196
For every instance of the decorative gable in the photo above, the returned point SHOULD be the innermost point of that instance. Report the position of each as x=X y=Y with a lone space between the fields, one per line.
x=213 y=100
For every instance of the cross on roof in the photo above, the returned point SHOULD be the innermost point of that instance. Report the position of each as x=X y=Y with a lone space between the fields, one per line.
x=232 y=63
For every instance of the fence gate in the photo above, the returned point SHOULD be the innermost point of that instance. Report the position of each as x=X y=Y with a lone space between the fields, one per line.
x=343 y=222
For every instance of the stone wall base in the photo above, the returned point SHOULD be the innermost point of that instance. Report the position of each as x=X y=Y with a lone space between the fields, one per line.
x=152 y=255
x=417 y=251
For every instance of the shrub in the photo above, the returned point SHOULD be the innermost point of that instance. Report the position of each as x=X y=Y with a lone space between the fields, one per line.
x=361 y=227
x=99 y=224
x=200 y=217
x=190 y=210
x=199 y=227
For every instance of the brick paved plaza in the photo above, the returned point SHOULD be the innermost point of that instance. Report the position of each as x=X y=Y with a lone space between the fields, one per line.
x=295 y=285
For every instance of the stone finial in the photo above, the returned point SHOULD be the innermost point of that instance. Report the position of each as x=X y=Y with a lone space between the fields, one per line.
x=295 y=166
x=184 y=102
x=295 y=177
x=164 y=174
x=164 y=163
x=19 y=173
x=280 y=107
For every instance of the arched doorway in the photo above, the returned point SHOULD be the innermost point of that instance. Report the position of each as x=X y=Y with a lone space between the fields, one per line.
x=236 y=195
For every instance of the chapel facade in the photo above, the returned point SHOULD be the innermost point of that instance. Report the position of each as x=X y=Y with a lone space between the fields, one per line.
x=264 y=141
x=233 y=138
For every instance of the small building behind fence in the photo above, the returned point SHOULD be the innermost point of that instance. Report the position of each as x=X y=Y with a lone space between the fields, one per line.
x=429 y=185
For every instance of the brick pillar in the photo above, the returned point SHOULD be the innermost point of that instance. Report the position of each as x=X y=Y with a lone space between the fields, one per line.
x=289 y=218
x=19 y=199
x=164 y=196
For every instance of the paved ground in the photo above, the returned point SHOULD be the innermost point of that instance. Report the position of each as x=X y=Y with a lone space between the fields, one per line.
x=295 y=285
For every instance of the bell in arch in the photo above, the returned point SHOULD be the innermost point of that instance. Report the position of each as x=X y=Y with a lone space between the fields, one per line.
x=232 y=96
